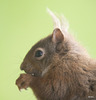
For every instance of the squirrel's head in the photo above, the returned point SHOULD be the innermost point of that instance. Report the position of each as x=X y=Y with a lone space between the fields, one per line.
x=42 y=53
x=51 y=49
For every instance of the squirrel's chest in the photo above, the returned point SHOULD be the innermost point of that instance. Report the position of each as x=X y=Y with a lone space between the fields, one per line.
x=56 y=89
x=51 y=89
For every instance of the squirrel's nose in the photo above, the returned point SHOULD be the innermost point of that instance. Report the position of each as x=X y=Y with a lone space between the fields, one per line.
x=25 y=66
x=22 y=66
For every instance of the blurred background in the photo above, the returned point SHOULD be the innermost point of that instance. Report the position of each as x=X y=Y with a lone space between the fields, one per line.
x=24 y=22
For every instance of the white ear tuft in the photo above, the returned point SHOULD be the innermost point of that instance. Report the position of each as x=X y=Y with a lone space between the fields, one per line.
x=64 y=23
x=60 y=22
x=57 y=23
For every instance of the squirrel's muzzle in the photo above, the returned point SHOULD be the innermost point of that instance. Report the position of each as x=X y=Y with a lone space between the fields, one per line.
x=27 y=67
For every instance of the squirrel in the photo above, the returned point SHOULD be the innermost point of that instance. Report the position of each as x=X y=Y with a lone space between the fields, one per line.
x=58 y=67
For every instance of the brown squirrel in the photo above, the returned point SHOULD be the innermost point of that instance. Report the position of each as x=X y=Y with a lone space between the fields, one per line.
x=58 y=68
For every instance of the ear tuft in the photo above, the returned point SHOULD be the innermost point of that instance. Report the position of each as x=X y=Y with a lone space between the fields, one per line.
x=57 y=36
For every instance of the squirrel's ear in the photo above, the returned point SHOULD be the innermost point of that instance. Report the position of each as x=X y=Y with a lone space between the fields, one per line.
x=57 y=35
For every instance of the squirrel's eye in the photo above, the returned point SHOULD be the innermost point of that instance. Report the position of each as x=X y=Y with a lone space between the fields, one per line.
x=38 y=53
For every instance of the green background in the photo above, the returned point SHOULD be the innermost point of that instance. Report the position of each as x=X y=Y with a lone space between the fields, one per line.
x=24 y=22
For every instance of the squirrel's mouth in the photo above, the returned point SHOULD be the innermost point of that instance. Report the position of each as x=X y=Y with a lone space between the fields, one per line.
x=33 y=72
x=27 y=69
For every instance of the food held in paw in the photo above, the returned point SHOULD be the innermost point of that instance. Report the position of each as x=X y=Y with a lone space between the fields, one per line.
x=23 y=82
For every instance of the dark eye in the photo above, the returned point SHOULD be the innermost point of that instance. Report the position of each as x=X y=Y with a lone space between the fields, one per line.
x=38 y=53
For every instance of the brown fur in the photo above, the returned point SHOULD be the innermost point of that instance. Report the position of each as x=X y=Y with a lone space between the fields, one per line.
x=69 y=72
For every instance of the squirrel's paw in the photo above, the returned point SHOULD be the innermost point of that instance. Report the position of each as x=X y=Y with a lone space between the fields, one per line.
x=23 y=82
